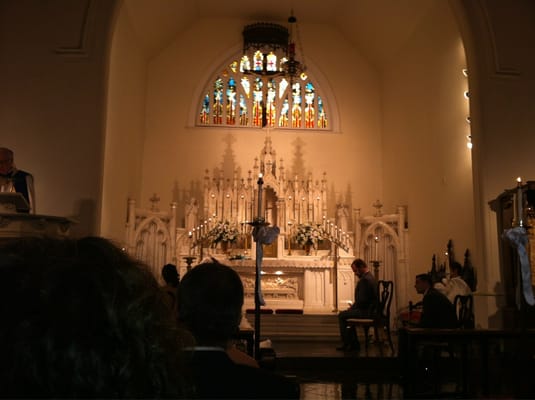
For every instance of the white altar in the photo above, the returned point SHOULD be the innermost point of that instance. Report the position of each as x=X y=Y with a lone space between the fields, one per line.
x=298 y=283
x=322 y=282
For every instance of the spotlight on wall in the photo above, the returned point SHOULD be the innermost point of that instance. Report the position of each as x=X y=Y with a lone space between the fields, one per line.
x=466 y=94
x=465 y=72
x=469 y=142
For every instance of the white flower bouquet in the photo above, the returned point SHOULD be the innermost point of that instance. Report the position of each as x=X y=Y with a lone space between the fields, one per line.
x=309 y=234
x=224 y=231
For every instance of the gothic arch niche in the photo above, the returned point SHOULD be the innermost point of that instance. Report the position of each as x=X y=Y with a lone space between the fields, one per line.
x=380 y=244
x=151 y=236
x=383 y=238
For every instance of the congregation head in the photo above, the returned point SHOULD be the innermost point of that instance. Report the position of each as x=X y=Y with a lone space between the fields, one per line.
x=423 y=282
x=210 y=302
x=456 y=268
x=80 y=318
x=170 y=275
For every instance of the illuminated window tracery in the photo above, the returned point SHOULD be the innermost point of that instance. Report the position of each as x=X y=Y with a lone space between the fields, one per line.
x=238 y=99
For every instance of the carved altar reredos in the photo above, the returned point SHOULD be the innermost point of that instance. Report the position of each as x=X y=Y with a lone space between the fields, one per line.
x=286 y=201
x=320 y=283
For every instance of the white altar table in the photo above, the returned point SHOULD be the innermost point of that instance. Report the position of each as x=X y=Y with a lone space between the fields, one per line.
x=295 y=283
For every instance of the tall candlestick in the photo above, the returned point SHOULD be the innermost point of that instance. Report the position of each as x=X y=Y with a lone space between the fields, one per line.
x=376 y=240
x=260 y=183
x=519 y=203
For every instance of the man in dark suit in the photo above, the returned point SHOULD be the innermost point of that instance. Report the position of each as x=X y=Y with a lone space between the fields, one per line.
x=437 y=310
x=210 y=306
x=365 y=300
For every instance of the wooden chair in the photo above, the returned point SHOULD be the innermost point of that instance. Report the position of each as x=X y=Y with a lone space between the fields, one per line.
x=464 y=307
x=455 y=355
x=380 y=319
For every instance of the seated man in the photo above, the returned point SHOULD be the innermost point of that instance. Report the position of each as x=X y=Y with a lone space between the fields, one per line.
x=82 y=319
x=210 y=306
x=437 y=310
x=366 y=297
x=455 y=285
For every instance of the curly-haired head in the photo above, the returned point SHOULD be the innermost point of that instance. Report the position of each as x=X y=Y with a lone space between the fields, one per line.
x=82 y=319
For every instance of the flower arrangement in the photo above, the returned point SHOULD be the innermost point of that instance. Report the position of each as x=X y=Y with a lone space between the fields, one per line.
x=224 y=231
x=310 y=234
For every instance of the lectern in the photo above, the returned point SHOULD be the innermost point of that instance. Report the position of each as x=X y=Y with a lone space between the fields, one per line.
x=16 y=221
x=11 y=202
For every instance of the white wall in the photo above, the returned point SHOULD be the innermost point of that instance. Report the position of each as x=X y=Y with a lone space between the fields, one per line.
x=52 y=79
x=125 y=128
x=426 y=162
x=500 y=42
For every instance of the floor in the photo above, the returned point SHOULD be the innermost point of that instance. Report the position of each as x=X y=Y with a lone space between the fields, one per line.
x=325 y=373
x=304 y=347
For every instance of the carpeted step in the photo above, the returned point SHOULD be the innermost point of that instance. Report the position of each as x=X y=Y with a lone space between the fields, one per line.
x=298 y=327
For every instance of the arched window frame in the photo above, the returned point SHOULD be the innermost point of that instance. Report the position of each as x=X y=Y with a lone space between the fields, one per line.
x=239 y=112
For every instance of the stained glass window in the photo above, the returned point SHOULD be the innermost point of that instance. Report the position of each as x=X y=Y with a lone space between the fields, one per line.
x=238 y=99
x=231 y=102
x=218 y=102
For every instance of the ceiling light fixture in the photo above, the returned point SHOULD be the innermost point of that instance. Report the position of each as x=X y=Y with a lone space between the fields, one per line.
x=269 y=50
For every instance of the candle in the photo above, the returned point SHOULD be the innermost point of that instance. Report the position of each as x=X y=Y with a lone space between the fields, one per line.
x=190 y=236
x=519 y=204
x=376 y=240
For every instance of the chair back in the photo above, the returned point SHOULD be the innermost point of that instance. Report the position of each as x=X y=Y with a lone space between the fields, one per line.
x=464 y=307
x=385 y=291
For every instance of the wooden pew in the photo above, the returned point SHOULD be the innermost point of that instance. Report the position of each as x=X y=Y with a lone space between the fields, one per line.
x=486 y=359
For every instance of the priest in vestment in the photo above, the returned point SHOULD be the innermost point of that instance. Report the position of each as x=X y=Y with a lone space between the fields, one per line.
x=15 y=180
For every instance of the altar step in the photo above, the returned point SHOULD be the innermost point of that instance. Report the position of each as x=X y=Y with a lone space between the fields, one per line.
x=299 y=327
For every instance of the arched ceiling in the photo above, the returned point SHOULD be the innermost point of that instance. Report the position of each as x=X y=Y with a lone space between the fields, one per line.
x=378 y=28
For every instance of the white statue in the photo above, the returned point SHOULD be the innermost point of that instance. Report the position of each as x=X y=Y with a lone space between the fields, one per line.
x=191 y=211
x=342 y=217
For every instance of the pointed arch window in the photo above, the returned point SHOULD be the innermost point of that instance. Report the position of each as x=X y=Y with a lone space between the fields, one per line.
x=236 y=99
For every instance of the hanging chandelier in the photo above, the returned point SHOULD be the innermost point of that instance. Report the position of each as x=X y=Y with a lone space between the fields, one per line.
x=269 y=50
